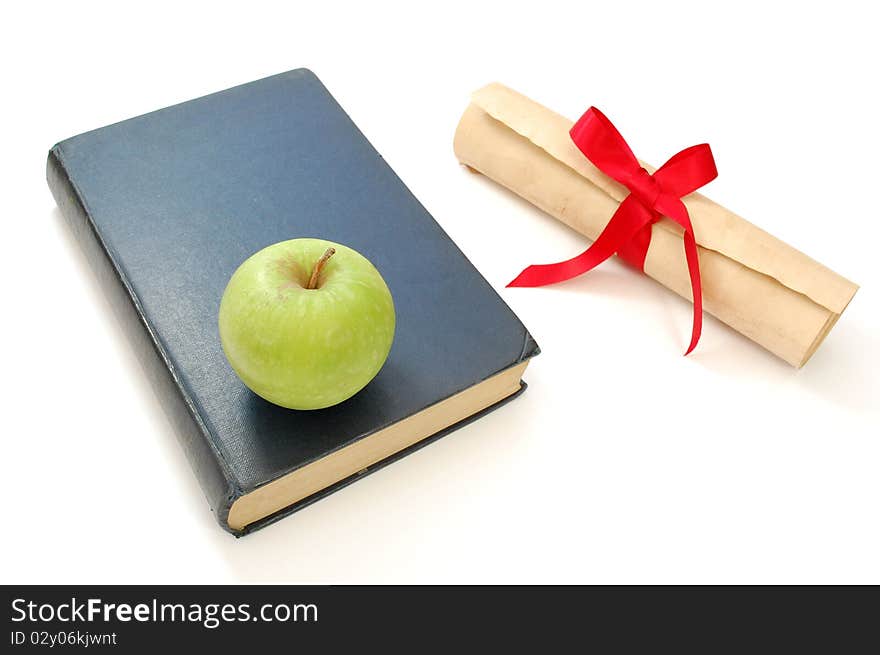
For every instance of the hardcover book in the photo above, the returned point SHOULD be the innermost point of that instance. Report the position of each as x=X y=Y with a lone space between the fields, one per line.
x=167 y=205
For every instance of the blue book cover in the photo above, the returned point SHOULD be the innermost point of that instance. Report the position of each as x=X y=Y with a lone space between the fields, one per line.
x=168 y=205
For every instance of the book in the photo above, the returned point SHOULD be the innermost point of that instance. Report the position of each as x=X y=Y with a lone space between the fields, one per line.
x=168 y=204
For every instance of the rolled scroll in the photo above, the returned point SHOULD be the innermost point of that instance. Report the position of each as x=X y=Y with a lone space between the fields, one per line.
x=752 y=281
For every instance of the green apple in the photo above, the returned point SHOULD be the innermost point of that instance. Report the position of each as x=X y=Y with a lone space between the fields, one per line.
x=306 y=323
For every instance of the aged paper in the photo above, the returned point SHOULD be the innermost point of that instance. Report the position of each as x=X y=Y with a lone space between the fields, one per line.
x=757 y=284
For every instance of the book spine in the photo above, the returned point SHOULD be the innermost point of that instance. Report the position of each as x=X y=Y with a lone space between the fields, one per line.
x=218 y=484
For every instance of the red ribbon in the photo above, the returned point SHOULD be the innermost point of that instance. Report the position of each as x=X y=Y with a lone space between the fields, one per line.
x=628 y=233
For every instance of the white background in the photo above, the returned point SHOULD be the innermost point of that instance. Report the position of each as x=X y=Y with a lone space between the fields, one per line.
x=624 y=462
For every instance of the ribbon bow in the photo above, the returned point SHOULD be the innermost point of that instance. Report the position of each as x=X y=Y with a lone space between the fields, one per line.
x=628 y=233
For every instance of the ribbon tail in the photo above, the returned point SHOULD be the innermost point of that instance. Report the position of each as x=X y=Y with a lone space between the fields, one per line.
x=630 y=217
x=539 y=275
x=693 y=262
x=675 y=209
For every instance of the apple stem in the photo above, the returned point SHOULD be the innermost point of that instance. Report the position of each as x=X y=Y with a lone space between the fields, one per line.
x=319 y=265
